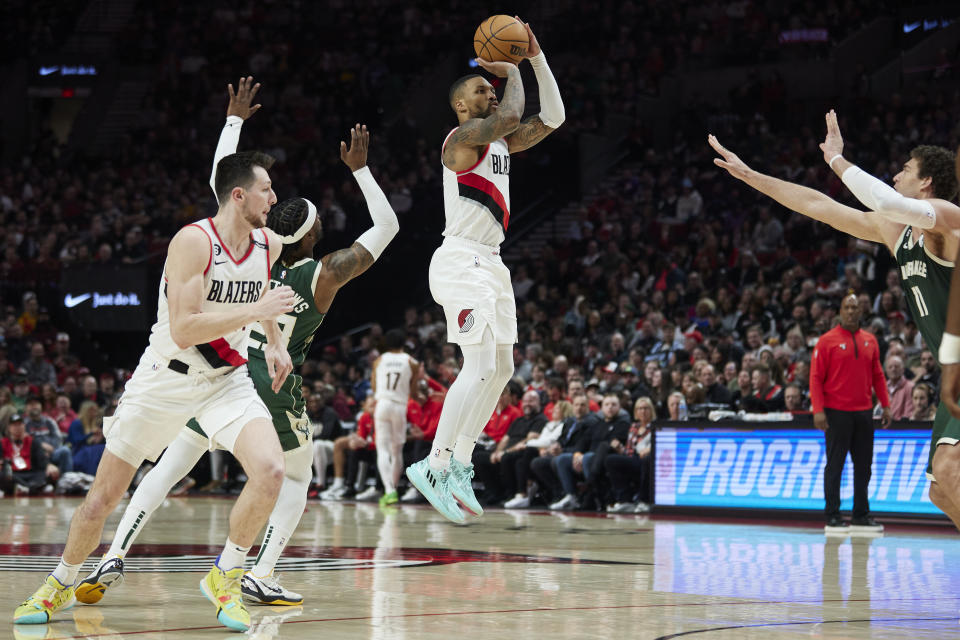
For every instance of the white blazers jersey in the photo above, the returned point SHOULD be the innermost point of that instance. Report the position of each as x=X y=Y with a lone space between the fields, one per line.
x=477 y=201
x=228 y=283
x=393 y=377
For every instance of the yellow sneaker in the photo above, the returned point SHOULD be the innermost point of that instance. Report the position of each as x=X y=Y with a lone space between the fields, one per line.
x=222 y=588
x=40 y=607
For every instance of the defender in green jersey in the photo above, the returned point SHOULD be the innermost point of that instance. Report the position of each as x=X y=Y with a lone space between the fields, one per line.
x=919 y=224
x=315 y=283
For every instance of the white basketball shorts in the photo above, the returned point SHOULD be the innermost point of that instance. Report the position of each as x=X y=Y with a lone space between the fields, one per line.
x=158 y=401
x=471 y=283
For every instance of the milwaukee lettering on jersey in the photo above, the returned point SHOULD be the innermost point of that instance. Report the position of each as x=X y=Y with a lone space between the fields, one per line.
x=914 y=268
x=242 y=292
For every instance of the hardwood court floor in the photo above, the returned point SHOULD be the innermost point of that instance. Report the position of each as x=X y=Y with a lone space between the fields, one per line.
x=410 y=574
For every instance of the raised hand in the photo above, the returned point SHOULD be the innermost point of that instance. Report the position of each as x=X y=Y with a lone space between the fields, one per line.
x=500 y=68
x=533 y=48
x=240 y=101
x=356 y=156
x=832 y=145
x=728 y=160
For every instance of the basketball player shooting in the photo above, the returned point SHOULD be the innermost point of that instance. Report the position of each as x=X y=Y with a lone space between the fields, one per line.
x=215 y=286
x=916 y=220
x=467 y=275
x=314 y=283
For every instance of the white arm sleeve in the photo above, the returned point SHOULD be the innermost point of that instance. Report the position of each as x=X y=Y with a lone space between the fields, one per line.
x=385 y=225
x=885 y=200
x=229 y=139
x=552 y=112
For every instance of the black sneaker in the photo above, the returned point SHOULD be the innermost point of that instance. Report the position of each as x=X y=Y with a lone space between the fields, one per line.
x=865 y=525
x=836 y=525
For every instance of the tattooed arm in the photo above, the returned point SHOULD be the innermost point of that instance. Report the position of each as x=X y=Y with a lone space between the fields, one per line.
x=463 y=147
x=339 y=268
x=530 y=132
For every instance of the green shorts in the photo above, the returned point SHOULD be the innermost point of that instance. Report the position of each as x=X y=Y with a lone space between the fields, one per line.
x=287 y=408
x=946 y=430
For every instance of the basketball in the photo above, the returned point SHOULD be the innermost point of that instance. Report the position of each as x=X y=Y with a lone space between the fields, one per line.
x=501 y=37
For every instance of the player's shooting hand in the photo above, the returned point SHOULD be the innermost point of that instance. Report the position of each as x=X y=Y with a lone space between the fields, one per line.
x=240 y=101
x=832 y=145
x=501 y=69
x=820 y=421
x=533 y=48
x=275 y=302
x=950 y=388
x=279 y=364
x=728 y=159
x=355 y=157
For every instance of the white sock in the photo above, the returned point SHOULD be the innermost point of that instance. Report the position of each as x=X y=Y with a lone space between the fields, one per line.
x=337 y=483
x=439 y=458
x=463 y=450
x=66 y=573
x=232 y=556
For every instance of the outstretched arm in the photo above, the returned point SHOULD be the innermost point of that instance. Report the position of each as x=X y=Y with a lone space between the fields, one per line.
x=238 y=110
x=552 y=114
x=938 y=215
x=340 y=267
x=811 y=203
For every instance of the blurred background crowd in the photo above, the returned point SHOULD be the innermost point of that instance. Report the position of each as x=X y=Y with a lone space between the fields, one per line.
x=643 y=274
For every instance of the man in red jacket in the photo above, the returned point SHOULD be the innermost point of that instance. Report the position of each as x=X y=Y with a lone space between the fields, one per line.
x=844 y=373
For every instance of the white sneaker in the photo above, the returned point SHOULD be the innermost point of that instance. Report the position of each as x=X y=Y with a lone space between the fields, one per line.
x=642 y=507
x=334 y=493
x=268 y=590
x=410 y=495
x=565 y=503
x=368 y=495
x=621 y=507
x=519 y=501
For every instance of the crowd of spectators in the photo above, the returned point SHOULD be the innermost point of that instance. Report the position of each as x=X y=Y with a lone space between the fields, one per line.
x=678 y=291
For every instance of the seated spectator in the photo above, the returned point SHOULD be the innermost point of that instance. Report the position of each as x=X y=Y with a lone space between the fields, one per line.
x=26 y=465
x=928 y=372
x=793 y=400
x=85 y=423
x=89 y=390
x=551 y=433
x=714 y=391
x=677 y=406
x=544 y=468
x=348 y=452
x=767 y=396
x=63 y=414
x=923 y=406
x=899 y=388
x=47 y=433
x=326 y=429
x=628 y=466
x=86 y=457
x=497 y=470
x=611 y=426
x=421 y=434
x=503 y=416
x=37 y=369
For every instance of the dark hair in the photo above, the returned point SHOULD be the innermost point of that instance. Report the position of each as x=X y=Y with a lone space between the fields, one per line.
x=394 y=339
x=557 y=383
x=458 y=85
x=236 y=170
x=285 y=218
x=937 y=163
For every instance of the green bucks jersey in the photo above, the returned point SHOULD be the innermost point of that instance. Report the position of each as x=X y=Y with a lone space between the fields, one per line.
x=301 y=323
x=926 y=284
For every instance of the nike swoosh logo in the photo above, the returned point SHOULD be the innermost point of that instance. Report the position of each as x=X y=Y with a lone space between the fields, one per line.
x=221 y=262
x=910 y=26
x=45 y=71
x=70 y=301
